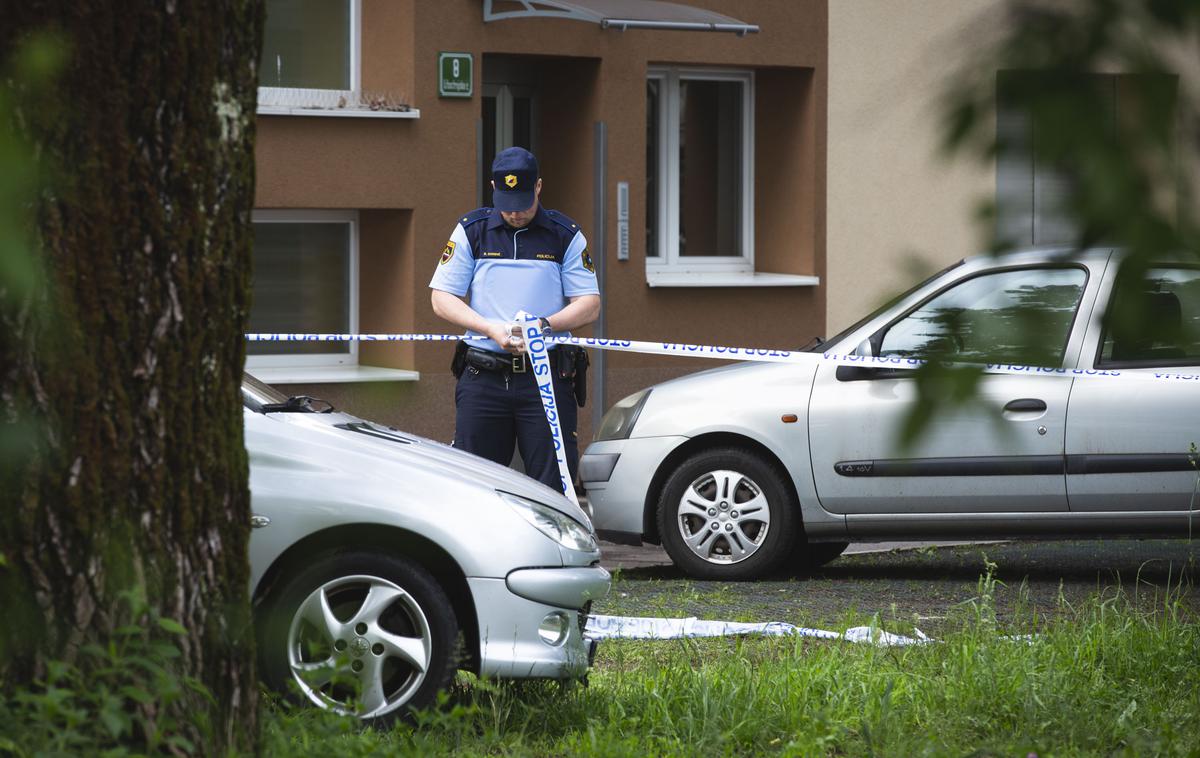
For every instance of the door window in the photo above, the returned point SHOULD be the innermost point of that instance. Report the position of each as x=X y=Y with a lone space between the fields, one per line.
x=1021 y=316
x=508 y=121
x=1154 y=322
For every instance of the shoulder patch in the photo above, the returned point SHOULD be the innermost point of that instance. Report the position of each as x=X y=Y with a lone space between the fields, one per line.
x=479 y=214
x=563 y=221
x=447 y=252
x=587 y=261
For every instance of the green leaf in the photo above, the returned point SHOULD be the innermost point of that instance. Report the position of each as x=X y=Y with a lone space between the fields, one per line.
x=133 y=692
x=114 y=719
x=172 y=626
x=183 y=743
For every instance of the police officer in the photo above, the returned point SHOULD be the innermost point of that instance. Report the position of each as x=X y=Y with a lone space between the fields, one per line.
x=515 y=256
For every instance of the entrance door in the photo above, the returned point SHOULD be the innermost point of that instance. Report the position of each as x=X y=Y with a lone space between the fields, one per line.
x=509 y=115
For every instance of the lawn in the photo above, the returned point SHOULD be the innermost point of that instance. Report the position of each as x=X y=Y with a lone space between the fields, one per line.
x=1100 y=677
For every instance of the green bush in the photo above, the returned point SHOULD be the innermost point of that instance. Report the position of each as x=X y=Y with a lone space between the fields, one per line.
x=110 y=701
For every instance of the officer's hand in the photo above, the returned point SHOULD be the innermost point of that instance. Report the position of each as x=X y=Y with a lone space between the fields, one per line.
x=508 y=336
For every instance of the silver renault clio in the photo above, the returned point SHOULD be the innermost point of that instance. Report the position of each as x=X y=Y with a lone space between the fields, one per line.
x=737 y=469
x=382 y=562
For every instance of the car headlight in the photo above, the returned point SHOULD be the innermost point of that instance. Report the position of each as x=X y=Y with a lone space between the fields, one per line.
x=559 y=527
x=619 y=421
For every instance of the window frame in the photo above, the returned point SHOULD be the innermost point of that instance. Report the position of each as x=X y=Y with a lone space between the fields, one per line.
x=292 y=97
x=667 y=258
x=318 y=360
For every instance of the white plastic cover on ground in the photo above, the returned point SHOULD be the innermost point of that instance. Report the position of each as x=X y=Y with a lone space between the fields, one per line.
x=642 y=628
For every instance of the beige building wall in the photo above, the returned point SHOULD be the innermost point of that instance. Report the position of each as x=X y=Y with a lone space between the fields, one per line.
x=897 y=210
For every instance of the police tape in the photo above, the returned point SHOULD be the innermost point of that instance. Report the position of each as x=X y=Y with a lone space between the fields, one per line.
x=601 y=627
x=762 y=355
x=539 y=356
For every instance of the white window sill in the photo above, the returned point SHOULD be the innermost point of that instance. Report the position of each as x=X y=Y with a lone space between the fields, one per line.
x=331 y=374
x=728 y=279
x=284 y=110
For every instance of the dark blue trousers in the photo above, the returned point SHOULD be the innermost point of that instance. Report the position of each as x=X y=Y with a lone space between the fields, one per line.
x=497 y=409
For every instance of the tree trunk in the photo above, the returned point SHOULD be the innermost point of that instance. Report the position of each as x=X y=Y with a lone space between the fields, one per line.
x=126 y=361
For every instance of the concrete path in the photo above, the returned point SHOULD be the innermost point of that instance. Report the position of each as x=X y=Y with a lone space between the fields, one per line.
x=614 y=556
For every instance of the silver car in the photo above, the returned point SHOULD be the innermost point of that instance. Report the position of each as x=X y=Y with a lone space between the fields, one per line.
x=382 y=562
x=737 y=469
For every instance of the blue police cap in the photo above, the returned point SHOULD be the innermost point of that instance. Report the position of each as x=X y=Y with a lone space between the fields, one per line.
x=515 y=173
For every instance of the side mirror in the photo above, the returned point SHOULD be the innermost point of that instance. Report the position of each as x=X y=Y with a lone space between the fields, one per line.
x=865 y=349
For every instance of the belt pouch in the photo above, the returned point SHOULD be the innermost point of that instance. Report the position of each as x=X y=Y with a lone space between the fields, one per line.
x=579 y=358
x=459 y=361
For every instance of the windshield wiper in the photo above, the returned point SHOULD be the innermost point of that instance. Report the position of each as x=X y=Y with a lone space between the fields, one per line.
x=298 y=404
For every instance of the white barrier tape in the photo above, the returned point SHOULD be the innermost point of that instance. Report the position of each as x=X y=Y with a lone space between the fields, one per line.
x=639 y=628
x=543 y=374
x=721 y=352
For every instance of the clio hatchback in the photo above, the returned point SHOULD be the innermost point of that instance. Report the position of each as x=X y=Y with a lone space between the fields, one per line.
x=736 y=470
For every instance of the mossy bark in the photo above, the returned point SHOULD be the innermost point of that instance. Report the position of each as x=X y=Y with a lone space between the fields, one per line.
x=125 y=362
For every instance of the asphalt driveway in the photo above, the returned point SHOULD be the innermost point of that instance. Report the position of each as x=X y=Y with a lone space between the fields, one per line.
x=920 y=584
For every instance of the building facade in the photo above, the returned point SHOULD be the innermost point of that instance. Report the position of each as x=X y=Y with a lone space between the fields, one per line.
x=693 y=160
x=752 y=173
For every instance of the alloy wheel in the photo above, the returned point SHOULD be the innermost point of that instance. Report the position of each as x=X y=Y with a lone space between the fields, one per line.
x=723 y=517
x=360 y=645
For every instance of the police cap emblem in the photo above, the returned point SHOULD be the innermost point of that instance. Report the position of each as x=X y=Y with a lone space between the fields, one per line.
x=510 y=181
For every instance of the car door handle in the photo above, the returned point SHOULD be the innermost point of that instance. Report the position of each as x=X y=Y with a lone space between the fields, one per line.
x=1026 y=404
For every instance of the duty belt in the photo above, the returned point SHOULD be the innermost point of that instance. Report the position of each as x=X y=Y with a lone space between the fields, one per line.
x=486 y=360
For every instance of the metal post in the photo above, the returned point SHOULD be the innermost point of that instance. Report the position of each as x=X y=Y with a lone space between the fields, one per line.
x=599 y=225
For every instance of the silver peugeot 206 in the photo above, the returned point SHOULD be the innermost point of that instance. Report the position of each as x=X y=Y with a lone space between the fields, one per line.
x=1085 y=424
x=382 y=562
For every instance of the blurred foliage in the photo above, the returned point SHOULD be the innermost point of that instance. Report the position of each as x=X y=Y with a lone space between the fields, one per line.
x=26 y=75
x=1131 y=180
x=28 y=72
x=114 y=702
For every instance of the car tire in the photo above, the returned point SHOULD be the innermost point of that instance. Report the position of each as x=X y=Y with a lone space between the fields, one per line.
x=813 y=555
x=726 y=514
x=360 y=633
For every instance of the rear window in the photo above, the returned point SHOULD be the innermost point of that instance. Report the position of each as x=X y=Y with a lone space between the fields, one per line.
x=1155 y=321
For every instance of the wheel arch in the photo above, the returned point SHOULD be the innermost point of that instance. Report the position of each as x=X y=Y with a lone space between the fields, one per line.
x=391 y=540
x=694 y=445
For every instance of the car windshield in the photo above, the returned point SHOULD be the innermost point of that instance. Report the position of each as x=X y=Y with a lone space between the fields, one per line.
x=256 y=394
x=828 y=344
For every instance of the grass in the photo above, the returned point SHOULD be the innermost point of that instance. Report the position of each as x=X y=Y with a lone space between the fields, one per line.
x=1102 y=677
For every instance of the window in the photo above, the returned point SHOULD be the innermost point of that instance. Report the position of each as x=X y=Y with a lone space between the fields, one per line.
x=1021 y=316
x=1044 y=124
x=305 y=280
x=1154 y=322
x=699 y=170
x=310 y=55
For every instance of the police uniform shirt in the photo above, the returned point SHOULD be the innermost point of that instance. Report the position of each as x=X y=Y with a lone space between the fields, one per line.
x=505 y=270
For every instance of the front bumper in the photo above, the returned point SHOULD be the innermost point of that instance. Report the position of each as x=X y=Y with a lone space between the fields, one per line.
x=510 y=611
x=618 y=503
